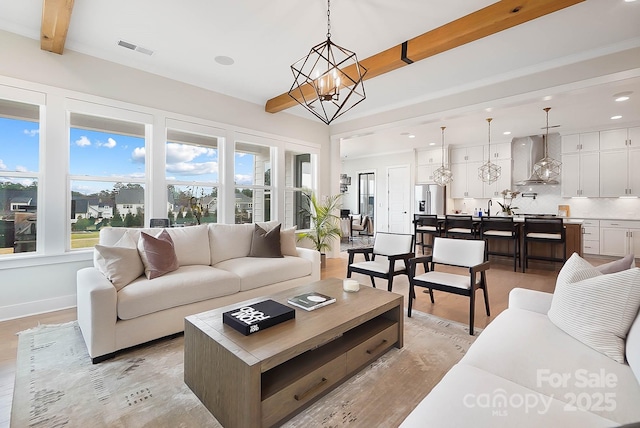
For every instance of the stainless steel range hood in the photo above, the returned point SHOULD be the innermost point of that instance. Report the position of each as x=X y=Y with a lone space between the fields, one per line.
x=526 y=152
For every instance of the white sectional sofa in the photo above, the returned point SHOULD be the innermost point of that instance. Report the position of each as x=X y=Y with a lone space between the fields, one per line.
x=524 y=371
x=214 y=270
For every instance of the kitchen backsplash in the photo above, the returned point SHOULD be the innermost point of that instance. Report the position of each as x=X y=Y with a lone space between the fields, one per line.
x=547 y=200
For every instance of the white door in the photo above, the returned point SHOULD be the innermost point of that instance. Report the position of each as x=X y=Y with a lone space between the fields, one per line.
x=399 y=199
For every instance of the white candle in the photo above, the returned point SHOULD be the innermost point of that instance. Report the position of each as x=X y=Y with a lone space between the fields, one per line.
x=350 y=285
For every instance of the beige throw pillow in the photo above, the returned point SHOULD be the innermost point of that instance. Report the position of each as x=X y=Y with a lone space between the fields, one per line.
x=157 y=253
x=121 y=263
x=288 y=242
x=596 y=309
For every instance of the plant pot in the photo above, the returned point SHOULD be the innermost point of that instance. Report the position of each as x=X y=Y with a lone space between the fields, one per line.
x=323 y=260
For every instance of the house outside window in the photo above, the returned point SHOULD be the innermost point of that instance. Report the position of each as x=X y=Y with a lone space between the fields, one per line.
x=107 y=176
x=298 y=179
x=192 y=174
x=19 y=174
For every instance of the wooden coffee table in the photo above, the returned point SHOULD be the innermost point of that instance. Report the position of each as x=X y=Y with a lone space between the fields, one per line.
x=267 y=377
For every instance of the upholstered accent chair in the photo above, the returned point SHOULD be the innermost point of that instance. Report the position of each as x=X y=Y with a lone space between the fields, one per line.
x=388 y=257
x=465 y=254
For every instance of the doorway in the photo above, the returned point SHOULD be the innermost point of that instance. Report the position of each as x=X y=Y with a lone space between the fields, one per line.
x=399 y=199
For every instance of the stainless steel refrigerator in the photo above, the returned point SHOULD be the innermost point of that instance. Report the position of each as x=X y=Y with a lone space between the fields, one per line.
x=429 y=199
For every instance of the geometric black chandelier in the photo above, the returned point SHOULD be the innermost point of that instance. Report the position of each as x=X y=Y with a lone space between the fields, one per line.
x=328 y=81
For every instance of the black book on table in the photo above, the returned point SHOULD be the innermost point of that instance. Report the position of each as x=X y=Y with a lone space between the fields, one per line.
x=252 y=318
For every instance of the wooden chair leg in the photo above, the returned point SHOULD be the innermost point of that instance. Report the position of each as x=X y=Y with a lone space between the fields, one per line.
x=431 y=295
x=373 y=281
x=486 y=293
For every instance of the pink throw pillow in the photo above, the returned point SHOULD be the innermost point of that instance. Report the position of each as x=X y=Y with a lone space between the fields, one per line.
x=158 y=254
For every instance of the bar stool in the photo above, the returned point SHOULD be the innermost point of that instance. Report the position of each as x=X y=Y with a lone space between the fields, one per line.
x=545 y=230
x=503 y=229
x=459 y=226
x=425 y=224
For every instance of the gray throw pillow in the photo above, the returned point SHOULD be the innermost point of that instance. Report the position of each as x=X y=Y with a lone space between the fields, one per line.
x=265 y=244
x=617 y=265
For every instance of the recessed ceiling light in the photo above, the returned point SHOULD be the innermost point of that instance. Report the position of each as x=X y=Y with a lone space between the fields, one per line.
x=616 y=117
x=629 y=1
x=224 y=60
x=432 y=144
x=506 y=133
x=488 y=109
x=412 y=136
x=622 y=96
x=548 y=98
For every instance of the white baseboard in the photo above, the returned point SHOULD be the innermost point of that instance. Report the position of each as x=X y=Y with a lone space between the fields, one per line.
x=37 y=307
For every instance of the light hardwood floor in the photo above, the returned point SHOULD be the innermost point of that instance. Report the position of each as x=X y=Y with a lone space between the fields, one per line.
x=500 y=278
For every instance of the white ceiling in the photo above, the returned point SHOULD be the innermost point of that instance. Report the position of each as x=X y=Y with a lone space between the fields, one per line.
x=265 y=38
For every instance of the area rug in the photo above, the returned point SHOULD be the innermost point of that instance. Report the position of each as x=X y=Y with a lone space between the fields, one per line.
x=57 y=386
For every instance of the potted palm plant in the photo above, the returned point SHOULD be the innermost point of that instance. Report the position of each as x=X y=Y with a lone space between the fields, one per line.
x=325 y=224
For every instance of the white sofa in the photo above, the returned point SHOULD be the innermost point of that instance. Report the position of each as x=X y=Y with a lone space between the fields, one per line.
x=214 y=271
x=523 y=371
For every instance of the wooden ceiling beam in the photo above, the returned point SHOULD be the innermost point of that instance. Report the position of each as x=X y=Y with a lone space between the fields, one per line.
x=490 y=20
x=56 y=16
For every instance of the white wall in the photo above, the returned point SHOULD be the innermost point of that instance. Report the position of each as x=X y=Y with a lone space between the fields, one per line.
x=44 y=282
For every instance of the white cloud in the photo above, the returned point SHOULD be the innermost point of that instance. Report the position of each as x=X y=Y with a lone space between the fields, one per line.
x=240 y=155
x=177 y=153
x=138 y=154
x=193 y=168
x=31 y=132
x=20 y=168
x=2 y=165
x=244 y=179
x=83 y=142
x=110 y=144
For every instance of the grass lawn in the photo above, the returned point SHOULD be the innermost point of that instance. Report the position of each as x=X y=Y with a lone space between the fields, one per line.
x=84 y=239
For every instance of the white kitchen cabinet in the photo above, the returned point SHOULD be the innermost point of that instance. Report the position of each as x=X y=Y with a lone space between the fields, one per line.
x=424 y=173
x=425 y=157
x=498 y=151
x=585 y=142
x=591 y=236
x=466 y=183
x=467 y=154
x=427 y=161
x=619 y=174
x=504 y=181
x=619 y=138
x=580 y=174
x=619 y=238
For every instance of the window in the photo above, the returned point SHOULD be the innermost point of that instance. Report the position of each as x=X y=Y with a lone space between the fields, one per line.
x=253 y=183
x=192 y=178
x=107 y=176
x=19 y=160
x=298 y=179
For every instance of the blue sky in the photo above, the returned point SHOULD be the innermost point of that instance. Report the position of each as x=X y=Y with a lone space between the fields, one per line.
x=108 y=155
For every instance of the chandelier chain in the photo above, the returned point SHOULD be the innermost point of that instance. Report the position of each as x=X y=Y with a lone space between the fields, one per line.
x=443 y=128
x=328 y=19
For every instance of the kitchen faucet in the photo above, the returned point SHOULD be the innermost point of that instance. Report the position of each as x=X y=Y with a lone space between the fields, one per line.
x=489 y=205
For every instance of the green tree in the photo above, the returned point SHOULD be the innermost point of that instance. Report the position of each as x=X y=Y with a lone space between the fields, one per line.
x=129 y=219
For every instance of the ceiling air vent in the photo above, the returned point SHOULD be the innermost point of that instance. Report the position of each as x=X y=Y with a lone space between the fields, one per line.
x=136 y=48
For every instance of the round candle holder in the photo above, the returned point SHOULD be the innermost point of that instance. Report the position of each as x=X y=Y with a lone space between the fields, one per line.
x=350 y=285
